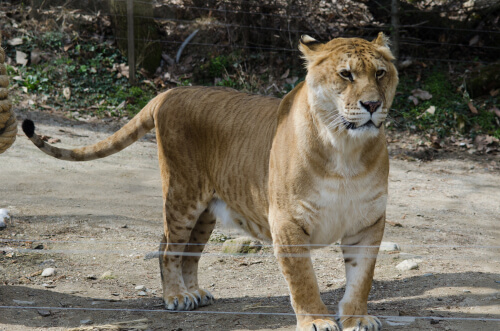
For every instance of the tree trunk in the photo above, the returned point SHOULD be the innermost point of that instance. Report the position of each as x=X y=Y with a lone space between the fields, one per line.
x=395 y=28
x=147 y=47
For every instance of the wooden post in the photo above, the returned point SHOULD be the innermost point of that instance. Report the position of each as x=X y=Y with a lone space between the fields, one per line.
x=395 y=28
x=130 y=40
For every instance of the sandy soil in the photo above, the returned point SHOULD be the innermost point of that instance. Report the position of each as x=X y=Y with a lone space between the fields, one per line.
x=86 y=219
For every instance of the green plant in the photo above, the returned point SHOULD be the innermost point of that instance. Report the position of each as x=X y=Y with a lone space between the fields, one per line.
x=451 y=110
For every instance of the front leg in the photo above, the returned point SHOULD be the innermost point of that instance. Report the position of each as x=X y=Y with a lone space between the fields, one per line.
x=291 y=248
x=360 y=254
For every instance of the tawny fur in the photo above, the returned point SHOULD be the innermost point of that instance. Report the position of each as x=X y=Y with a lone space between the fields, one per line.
x=306 y=170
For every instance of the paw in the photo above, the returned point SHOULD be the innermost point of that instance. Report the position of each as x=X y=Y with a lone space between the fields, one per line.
x=319 y=325
x=188 y=300
x=206 y=298
x=365 y=323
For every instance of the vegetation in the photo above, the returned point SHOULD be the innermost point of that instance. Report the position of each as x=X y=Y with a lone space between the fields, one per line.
x=87 y=69
x=81 y=71
x=447 y=111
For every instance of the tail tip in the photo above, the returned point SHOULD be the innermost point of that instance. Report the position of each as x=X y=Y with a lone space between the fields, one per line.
x=28 y=127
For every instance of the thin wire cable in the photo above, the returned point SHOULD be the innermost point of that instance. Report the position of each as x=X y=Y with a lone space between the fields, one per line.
x=208 y=244
x=309 y=254
x=138 y=310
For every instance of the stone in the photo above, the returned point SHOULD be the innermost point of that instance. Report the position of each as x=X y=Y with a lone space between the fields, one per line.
x=140 y=287
x=86 y=322
x=142 y=293
x=387 y=246
x=241 y=245
x=407 y=265
x=22 y=302
x=48 y=272
x=43 y=313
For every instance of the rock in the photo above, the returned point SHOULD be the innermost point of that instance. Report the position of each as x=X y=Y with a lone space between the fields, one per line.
x=407 y=265
x=242 y=245
x=4 y=215
x=48 y=272
x=21 y=302
x=43 y=313
x=86 y=322
x=387 y=246
x=140 y=287
x=142 y=293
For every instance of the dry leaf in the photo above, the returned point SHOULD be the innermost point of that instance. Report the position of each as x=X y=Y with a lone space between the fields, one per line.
x=121 y=105
x=431 y=110
x=15 y=41
x=413 y=99
x=474 y=40
x=497 y=111
x=472 y=108
x=421 y=94
x=21 y=58
x=54 y=140
x=285 y=75
x=67 y=93
x=292 y=80
x=494 y=93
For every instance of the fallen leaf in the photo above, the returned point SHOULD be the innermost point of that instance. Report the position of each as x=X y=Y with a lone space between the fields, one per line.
x=472 y=108
x=474 y=40
x=67 y=93
x=413 y=99
x=497 y=112
x=494 y=93
x=285 y=75
x=15 y=41
x=431 y=110
x=121 y=105
x=67 y=47
x=421 y=94
x=21 y=58
x=292 y=80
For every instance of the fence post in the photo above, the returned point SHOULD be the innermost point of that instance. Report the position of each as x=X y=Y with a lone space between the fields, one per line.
x=130 y=42
x=395 y=28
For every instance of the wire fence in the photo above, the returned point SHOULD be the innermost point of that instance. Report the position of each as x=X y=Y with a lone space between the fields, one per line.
x=277 y=38
x=444 y=32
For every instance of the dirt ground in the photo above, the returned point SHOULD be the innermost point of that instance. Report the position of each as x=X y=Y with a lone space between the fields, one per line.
x=101 y=218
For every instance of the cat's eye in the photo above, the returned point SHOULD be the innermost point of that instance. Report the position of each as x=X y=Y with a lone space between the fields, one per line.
x=346 y=74
x=380 y=73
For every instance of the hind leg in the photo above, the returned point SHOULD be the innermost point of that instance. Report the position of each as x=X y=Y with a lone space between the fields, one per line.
x=180 y=220
x=199 y=237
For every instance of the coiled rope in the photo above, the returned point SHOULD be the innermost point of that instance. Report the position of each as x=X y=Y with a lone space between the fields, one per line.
x=8 y=123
